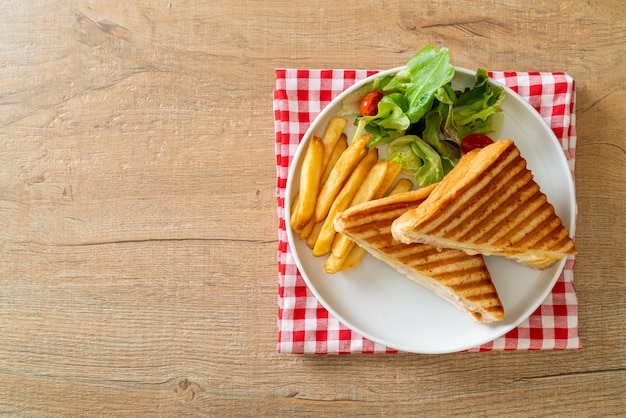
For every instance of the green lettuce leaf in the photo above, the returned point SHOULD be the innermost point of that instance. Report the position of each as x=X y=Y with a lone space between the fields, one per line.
x=390 y=122
x=400 y=152
x=474 y=108
x=429 y=69
x=417 y=159
x=449 y=152
x=431 y=170
x=446 y=98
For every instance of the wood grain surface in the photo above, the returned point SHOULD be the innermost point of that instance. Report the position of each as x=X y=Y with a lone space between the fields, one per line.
x=138 y=219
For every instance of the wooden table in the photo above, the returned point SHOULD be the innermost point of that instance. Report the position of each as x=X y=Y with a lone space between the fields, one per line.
x=138 y=220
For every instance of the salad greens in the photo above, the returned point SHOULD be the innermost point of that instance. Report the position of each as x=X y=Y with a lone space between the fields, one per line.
x=422 y=118
x=415 y=155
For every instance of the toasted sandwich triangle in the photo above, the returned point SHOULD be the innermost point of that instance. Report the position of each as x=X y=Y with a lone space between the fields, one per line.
x=490 y=204
x=457 y=277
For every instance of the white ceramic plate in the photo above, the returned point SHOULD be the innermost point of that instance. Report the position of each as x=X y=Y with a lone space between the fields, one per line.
x=386 y=307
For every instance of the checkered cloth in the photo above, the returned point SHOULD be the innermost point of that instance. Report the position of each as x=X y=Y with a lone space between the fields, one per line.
x=304 y=325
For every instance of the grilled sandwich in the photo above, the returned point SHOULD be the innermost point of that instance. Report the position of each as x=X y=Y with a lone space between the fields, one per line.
x=457 y=277
x=490 y=204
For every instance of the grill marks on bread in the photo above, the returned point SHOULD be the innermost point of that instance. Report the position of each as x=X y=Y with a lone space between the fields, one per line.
x=458 y=277
x=490 y=204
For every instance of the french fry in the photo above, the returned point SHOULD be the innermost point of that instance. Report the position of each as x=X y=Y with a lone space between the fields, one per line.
x=332 y=264
x=354 y=258
x=393 y=170
x=336 y=152
x=342 y=202
x=294 y=211
x=361 y=156
x=342 y=245
x=314 y=227
x=310 y=176
x=338 y=175
x=340 y=249
x=371 y=183
x=305 y=232
x=335 y=176
x=331 y=136
x=404 y=185
x=315 y=232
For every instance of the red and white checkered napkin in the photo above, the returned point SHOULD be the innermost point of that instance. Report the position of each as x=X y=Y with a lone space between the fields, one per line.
x=305 y=326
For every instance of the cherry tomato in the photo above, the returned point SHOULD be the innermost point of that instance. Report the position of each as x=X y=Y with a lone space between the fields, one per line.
x=473 y=141
x=369 y=103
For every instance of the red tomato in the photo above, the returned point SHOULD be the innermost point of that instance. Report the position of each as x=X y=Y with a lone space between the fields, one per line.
x=473 y=141
x=369 y=103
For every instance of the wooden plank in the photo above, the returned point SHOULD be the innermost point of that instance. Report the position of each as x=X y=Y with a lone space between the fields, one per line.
x=138 y=229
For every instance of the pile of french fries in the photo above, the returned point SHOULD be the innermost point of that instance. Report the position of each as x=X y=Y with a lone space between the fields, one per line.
x=335 y=176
